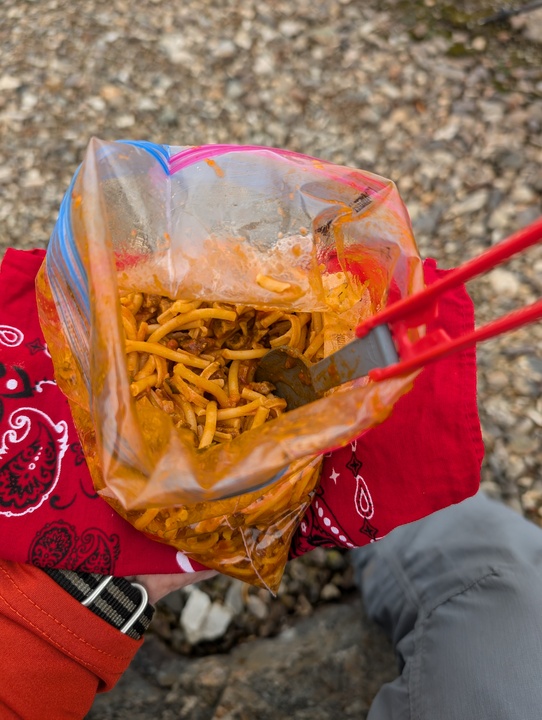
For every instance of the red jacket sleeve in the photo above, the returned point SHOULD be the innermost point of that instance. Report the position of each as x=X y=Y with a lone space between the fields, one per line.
x=55 y=654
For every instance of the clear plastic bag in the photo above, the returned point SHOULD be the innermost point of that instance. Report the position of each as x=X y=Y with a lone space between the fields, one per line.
x=206 y=223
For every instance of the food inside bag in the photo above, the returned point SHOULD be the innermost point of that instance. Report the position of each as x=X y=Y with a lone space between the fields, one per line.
x=170 y=273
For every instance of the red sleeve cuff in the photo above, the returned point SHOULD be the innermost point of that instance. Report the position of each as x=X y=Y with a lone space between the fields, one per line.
x=55 y=653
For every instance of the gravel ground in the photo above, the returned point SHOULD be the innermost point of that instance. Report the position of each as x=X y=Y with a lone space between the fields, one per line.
x=420 y=92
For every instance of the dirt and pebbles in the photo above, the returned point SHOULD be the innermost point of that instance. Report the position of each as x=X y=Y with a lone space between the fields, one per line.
x=420 y=92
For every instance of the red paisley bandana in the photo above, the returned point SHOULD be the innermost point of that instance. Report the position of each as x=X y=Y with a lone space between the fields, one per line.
x=50 y=515
x=426 y=456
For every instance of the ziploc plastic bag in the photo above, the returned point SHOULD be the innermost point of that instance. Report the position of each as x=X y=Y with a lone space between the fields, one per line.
x=205 y=223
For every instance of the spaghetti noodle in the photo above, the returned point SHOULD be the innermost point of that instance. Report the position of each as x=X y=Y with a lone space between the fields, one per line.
x=196 y=361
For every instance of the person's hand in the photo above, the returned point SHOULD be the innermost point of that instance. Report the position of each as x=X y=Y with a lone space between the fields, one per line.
x=158 y=586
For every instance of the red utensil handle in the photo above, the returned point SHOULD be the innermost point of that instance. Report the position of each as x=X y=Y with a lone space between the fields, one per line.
x=512 y=321
x=496 y=255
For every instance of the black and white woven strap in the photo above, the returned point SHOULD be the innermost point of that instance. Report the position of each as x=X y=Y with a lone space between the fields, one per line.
x=119 y=602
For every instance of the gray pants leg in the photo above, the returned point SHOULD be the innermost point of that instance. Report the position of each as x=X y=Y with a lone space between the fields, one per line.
x=460 y=594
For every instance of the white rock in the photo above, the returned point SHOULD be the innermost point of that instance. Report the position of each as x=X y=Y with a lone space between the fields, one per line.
x=194 y=613
x=6 y=173
x=110 y=37
x=234 y=89
x=32 y=178
x=125 y=121
x=522 y=194
x=472 y=203
x=243 y=40
x=96 y=103
x=491 y=489
x=414 y=210
x=257 y=607
x=174 y=46
x=500 y=216
x=448 y=132
x=330 y=592
x=496 y=408
x=504 y=282
x=234 y=597
x=8 y=82
x=290 y=28
x=535 y=416
x=492 y=111
x=225 y=49
x=267 y=34
x=29 y=101
x=216 y=622
x=264 y=64
x=532 y=28
x=146 y=103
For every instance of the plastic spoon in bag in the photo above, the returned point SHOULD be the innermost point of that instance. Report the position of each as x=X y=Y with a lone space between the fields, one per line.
x=382 y=349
